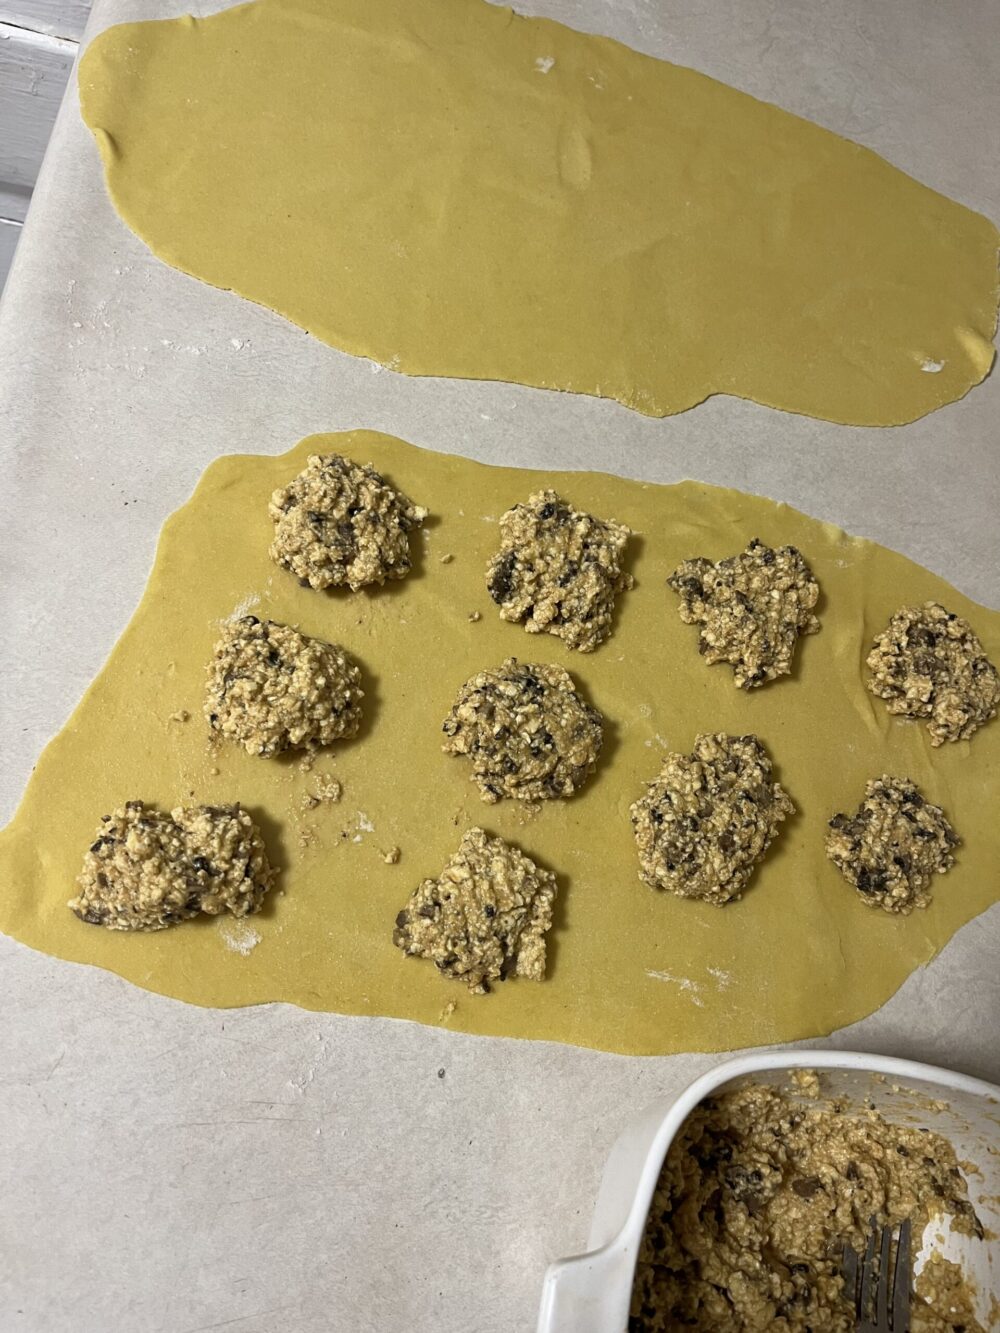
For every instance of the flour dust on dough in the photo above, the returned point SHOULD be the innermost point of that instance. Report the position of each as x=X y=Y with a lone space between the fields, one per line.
x=798 y=955
x=452 y=189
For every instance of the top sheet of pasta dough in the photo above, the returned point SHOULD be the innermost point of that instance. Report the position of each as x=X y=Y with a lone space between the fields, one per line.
x=453 y=190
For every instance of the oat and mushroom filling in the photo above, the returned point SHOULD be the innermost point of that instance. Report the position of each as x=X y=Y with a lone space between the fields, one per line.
x=147 y=869
x=528 y=731
x=752 y=608
x=272 y=689
x=559 y=571
x=759 y=1194
x=947 y=1300
x=484 y=918
x=708 y=818
x=891 y=848
x=929 y=663
x=340 y=523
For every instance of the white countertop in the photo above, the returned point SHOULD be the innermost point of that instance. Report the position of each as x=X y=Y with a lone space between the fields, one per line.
x=176 y=1169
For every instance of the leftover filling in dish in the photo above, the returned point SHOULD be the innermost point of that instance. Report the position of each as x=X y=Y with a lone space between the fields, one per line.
x=758 y=1196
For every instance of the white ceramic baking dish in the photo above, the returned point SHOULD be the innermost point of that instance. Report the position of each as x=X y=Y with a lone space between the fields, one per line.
x=590 y=1292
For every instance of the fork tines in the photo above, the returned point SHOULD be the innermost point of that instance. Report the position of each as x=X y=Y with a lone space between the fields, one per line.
x=882 y=1298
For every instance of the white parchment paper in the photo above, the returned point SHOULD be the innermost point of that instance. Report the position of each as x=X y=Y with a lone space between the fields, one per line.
x=172 y=1169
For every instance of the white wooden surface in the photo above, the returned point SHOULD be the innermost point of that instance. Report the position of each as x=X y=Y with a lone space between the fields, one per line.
x=8 y=240
x=38 y=43
x=56 y=18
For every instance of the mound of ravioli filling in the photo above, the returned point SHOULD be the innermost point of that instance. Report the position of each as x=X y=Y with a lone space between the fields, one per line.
x=272 y=689
x=891 y=848
x=484 y=918
x=708 y=818
x=147 y=869
x=559 y=571
x=761 y=1190
x=929 y=663
x=528 y=731
x=752 y=608
x=340 y=523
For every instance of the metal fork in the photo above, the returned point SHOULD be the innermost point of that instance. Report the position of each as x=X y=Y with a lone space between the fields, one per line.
x=882 y=1301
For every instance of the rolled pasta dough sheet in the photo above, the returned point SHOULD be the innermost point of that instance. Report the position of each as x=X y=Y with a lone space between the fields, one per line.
x=451 y=189
x=630 y=969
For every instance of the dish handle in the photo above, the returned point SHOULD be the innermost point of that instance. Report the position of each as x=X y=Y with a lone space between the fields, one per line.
x=584 y=1294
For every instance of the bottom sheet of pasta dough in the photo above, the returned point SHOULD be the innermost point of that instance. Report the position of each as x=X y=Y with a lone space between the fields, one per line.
x=630 y=969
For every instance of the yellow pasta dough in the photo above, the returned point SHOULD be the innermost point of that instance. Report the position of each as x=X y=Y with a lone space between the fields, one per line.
x=629 y=969
x=454 y=190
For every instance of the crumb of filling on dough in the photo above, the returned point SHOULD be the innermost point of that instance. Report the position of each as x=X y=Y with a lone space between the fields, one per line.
x=485 y=918
x=929 y=663
x=893 y=846
x=758 y=1195
x=708 y=818
x=326 y=791
x=272 y=689
x=528 y=731
x=752 y=608
x=558 y=570
x=341 y=523
x=148 y=869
